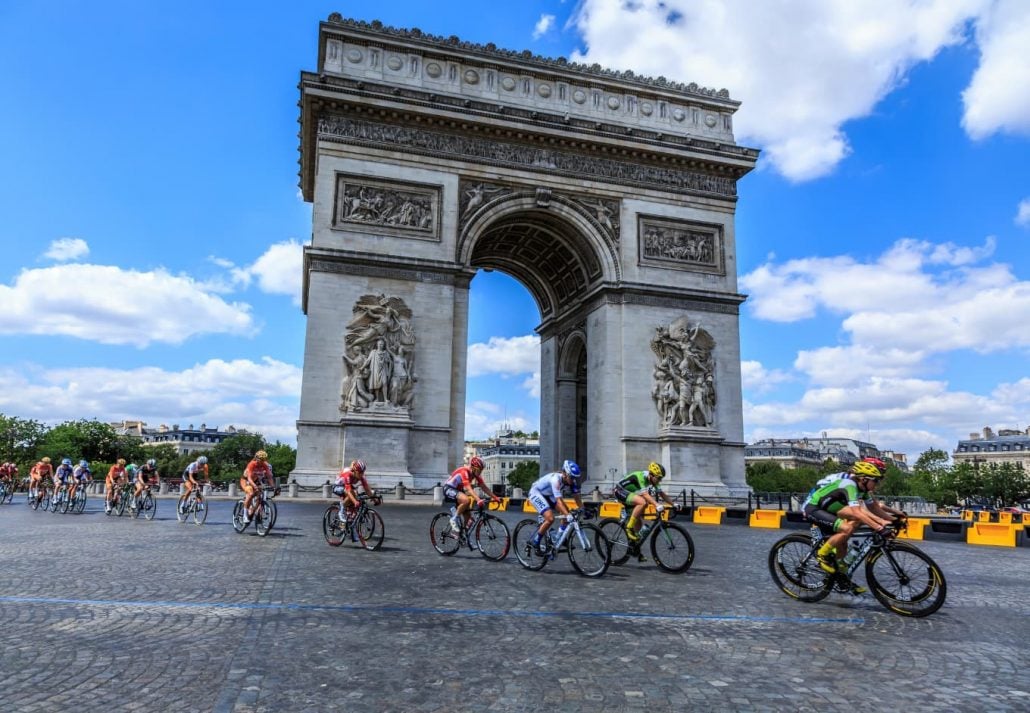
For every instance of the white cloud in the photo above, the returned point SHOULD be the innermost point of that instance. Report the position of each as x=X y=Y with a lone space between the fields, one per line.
x=112 y=305
x=259 y=396
x=508 y=357
x=65 y=249
x=998 y=97
x=803 y=69
x=278 y=271
x=484 y=419
x=757 y=379
x=1023 y=213
x=545 y=23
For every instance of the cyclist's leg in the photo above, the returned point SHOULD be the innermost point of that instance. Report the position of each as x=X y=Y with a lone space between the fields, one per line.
x=464 y=502
x=544 y=507
x=637 y=502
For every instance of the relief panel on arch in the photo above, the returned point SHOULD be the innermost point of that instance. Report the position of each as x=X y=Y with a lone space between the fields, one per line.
x=406 y=210
x=681 y=245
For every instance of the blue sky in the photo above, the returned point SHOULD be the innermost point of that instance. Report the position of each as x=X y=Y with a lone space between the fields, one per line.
x=151 y=224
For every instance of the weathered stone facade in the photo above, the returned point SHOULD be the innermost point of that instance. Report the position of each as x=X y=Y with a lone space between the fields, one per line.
x=609 y=196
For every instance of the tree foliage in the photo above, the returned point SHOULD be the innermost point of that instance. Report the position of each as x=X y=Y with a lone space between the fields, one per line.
x=524 y=474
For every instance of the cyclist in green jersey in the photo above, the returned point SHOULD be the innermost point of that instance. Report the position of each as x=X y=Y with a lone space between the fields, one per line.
x=839 y=505
x=638 y=490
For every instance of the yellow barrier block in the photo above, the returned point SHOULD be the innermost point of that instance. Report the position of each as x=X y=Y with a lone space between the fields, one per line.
x=771 y=519
x=967 y=514
x=915 y=528
x=985 y=516
x=709 y=515
x=1005 y=518
x=611 y=509
x=992 y=533
x=502 y=506
x=528 y=506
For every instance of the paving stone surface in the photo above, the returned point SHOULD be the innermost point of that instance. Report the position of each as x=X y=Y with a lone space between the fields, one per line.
x=100 y=613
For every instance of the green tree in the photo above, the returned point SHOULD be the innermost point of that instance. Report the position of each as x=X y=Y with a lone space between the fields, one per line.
x=228 y=459
x=20 y=440
x=283 y=459
x=524 y=474
x=89 y=439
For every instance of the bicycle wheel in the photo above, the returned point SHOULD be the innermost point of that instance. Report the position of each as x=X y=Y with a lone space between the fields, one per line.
x=525 y=550
x=371 y=530
x=35 y=501
x=134 y=507
x=906 y=580
x=672 y=548
x=794 y=569
x=149 y=507
x=263 y=520
x=199 y=510
x=589 y=551
x=617 y=538
x=181 y=509
x=444 y=540
x=492 y=538
x=237 y=517
x=80 y=500
x=274 y=510
x=123 y=500
x=332 y=526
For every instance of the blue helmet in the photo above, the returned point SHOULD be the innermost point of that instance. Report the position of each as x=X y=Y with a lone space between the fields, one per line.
x=571 y=469
x=66 y=461
x=84 y=464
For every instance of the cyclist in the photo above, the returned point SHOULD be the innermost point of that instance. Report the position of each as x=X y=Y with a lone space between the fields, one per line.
x=638 y=490
x=190 y=475
x=8 y=475
x=80 y=476
x=114 y=480
x=257 y=471
x=62 y=476
x=460 y=489
x=39 y=473
x=838 y=505
x=148 y=471
x=546 y=495
x=344 y=487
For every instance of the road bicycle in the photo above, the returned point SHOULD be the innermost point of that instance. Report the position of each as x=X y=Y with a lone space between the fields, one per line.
x=78 y=503
x=40 y=495
x=6 y=492
x=365 y=525
x=483 y=531
x=192 y=505
x=264 y=516
x=119 y=500
x=588 y=549
x=671 y=545
x=144 y=504
x=903 y=578
x=60 y=501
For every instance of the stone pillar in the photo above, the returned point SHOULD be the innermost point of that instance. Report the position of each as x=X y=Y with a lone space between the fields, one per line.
x=326 y=491
x=234 y=489
x=163 y=488
x=207 y=490
x=517 y=494
x=438 y=495
x=400 y=491
x=294 y=489
x=182 y=488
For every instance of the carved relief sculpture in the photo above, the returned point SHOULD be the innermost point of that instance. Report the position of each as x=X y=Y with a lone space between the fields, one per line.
x=378 y=357
x=692 y=246
x=384 y=207
x=684 y=375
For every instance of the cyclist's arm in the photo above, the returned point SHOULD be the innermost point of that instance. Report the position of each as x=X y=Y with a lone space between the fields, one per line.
x=863 y=515
x=881 y=510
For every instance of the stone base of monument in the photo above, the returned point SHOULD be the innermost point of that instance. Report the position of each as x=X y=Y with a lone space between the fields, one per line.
x=696 y=459
x=379 y=436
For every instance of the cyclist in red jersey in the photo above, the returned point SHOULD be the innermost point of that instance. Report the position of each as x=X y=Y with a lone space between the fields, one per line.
x=344 y=488
x=459 y=489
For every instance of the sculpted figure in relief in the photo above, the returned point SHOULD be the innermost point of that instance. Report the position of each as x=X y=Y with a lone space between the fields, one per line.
x=683 y=388
x=378 y=356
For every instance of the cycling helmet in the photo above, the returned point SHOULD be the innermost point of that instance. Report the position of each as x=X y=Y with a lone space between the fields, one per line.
x=358 y=465
x=121 y=461
x=261 y=455
x=84 y=464
x=571 y=469
x=46 y=459
x=656 y=469
x=202 y=460
x=477 y=463
x=880 y=465
x=66 y=461
x=865 y=470
x=151 y=463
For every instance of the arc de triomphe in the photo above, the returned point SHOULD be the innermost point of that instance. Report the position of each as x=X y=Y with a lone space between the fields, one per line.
x=608 y=195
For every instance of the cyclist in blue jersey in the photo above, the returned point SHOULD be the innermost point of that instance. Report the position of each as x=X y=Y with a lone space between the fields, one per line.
x=546 y=496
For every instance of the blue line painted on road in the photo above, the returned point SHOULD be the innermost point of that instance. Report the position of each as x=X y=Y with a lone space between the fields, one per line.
x=357 y=609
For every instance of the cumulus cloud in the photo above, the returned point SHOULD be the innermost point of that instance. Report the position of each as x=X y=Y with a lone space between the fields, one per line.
x=65 y=249
x=508 y=357
x=483 y=419
x=278 y=271
x=545 y=23
x=998 y=97
x=1023 y=213
x=803 y=69
x=757 y=379
x=260 y=396
x=112 y=305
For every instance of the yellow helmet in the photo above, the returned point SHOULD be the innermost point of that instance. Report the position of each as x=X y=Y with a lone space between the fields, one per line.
x=865 y=470
x=656 y=469
x=261 y=455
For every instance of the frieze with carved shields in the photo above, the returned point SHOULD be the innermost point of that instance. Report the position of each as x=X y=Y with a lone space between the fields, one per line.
x=379 y=357
x=683 y=389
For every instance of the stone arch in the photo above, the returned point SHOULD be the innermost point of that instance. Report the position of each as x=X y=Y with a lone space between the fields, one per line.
x=570 y=401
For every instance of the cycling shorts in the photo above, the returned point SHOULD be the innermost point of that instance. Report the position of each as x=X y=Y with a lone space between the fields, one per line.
x=541 y=502
x=828 y=522
x=450 y=494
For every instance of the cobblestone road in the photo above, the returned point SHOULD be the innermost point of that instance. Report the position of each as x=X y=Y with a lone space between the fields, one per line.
x=105 y=614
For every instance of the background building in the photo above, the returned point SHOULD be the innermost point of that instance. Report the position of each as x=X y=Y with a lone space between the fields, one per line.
x=502 y=454
x=185 y=440
x=1007 y=446
x=792 y=453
